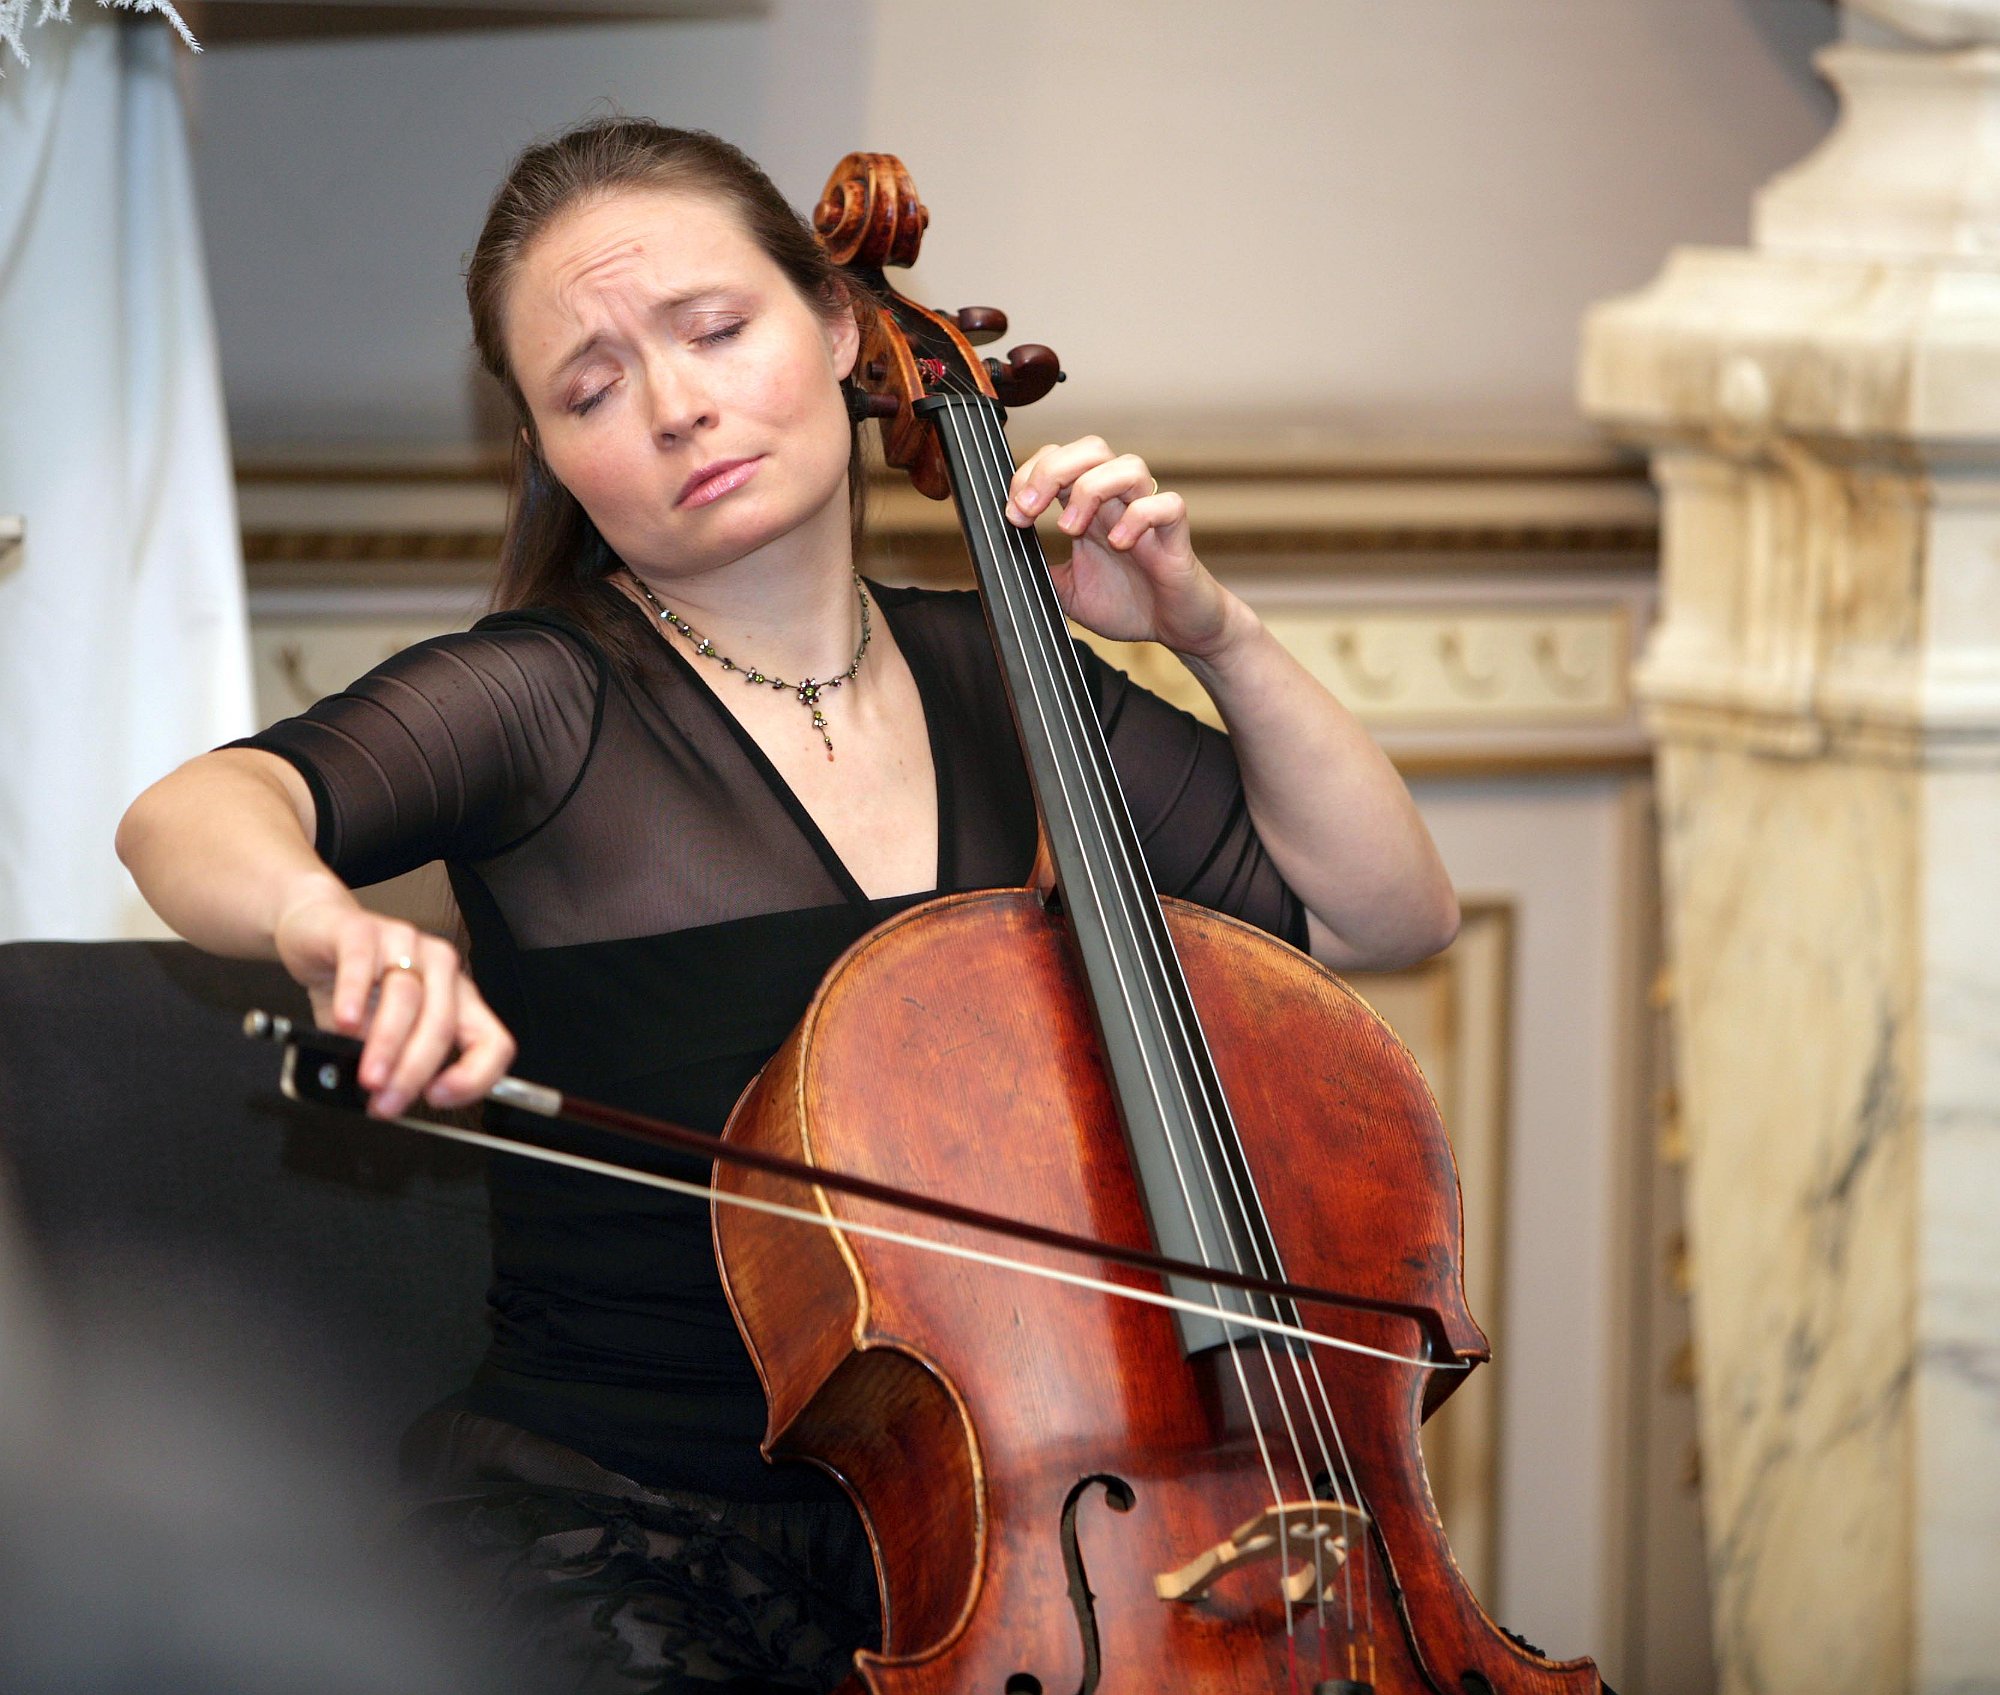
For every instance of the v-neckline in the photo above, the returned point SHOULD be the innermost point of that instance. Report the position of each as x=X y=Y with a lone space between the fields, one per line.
x=787 y=797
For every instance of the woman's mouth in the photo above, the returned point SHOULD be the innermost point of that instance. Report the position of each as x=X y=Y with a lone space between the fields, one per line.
x=712 y=482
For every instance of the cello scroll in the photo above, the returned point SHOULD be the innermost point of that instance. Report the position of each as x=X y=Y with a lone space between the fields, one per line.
x=870 y=218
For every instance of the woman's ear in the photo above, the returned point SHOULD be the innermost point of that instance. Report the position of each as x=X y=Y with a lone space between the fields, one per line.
x=844 y=344
x=534 y=469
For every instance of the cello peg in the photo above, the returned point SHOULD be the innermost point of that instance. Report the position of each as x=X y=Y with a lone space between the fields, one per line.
x=980 y=324
x=866 y=403
x=1030 y=372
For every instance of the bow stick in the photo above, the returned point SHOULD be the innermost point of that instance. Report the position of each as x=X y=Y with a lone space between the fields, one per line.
x=322 y=1066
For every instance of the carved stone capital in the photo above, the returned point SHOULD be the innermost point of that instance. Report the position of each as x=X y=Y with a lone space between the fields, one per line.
x=1826 y=438
x=1866 y=363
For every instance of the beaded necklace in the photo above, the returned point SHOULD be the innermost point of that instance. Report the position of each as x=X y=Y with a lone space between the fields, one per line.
x=807 y=693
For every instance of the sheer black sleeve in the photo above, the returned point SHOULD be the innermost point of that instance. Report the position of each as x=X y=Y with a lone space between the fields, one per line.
x=1186 y=796
x=456 y=748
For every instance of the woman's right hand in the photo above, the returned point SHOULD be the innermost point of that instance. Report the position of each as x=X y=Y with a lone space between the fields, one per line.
x=404 y=993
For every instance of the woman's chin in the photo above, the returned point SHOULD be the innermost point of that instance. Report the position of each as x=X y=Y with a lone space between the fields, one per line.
x=687 y=557
x=668 y=539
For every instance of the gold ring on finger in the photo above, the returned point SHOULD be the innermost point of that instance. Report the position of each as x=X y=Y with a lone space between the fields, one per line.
x=402 y=962
x=1155 y=489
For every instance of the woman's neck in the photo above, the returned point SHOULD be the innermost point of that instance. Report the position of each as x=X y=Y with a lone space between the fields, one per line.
x=788 y=610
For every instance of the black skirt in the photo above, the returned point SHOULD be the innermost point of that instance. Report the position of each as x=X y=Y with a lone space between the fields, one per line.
x=592 y=1583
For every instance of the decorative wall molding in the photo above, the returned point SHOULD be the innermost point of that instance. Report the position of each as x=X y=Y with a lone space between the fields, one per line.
x=1455 y=1013
x=1569 y=508
x=1413 y=666
x=1479 y=610
x=1504 y=673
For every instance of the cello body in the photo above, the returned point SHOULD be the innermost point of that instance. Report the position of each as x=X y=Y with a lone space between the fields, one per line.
x=1067 y=1489
x=1028 y=1456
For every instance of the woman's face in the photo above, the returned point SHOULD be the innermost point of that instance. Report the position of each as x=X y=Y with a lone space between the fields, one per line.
x=682 y=389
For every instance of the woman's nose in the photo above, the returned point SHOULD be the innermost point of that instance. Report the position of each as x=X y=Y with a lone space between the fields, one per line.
x=680 y=402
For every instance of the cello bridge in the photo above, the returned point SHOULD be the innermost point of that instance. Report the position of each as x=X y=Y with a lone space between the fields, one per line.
x=1309 y=1538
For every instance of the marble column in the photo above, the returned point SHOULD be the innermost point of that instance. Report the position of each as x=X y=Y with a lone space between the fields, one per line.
x=1823 y=414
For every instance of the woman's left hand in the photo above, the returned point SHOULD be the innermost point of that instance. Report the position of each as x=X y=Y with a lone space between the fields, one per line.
x=1132 y=574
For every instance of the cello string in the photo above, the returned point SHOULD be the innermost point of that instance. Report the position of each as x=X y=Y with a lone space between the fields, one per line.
x=1209 y=1086
x=1208 y=1081
x=1136 y=893
x=1083 y=751
x=1024 y=553
x=1152 y=930
x=987 y=508
x=825 y=1220
x=1333 y=1472
x=1367 y=1581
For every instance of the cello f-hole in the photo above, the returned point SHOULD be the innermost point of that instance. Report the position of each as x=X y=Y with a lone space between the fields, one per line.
x=1118 y=1496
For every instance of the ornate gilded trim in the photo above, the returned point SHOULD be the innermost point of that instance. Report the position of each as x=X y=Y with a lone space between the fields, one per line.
x=334 y=547
x=1564 y=510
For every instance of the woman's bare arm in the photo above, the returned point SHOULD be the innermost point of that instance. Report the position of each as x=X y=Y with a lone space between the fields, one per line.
x=222 y=849
x=1330 y=809
x=1328 y=806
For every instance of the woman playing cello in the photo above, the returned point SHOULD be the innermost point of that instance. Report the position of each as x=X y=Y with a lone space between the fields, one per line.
x=690 y=758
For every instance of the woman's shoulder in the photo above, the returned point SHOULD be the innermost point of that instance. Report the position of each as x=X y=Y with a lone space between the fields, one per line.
x=542 y=646
x=527 y=626
x=509 y=666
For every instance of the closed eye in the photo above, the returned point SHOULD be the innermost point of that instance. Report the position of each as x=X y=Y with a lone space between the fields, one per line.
x=724 y=334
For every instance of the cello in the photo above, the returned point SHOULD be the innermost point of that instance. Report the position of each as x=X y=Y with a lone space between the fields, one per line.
x=1074 y=1482
x=1065 y=1490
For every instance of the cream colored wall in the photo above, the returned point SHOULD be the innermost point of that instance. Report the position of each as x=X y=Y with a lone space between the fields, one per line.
x=1564 y=853
x=1381 y=217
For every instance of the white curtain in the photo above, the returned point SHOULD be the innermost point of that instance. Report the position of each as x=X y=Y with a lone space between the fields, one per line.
x=123 y=646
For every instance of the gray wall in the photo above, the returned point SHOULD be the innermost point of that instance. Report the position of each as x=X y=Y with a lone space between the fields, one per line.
x=343 y=183
x=1382 y=217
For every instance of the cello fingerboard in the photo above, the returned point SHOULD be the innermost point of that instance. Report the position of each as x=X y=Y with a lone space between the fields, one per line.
x=1198 y=1192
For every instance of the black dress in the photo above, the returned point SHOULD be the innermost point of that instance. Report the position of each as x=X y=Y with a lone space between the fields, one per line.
x=650 y=909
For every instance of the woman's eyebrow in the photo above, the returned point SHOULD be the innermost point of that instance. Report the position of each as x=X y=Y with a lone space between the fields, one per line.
x=662 y=308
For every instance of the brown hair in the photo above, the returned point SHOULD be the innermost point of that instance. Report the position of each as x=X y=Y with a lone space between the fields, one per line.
x=551 y=554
